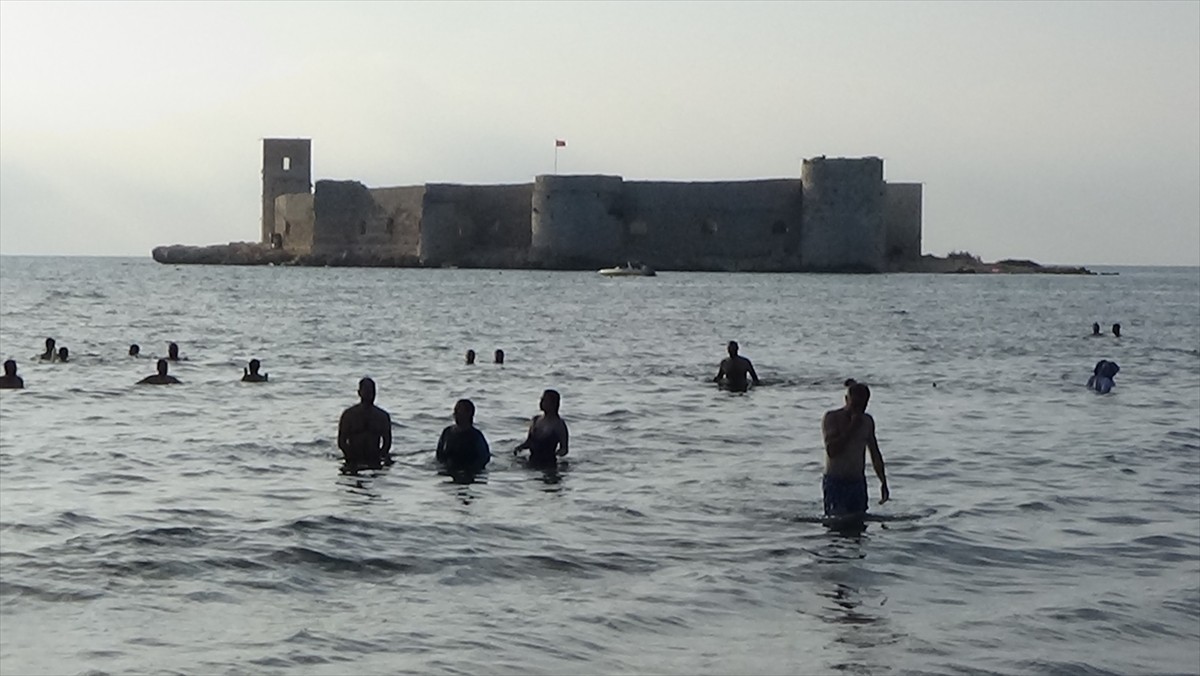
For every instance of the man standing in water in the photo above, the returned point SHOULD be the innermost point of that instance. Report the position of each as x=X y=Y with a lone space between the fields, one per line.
x=734 y=369
x=462 y=448
x=548 y=439
x=160 y=378
x=10 y=380
x=849 y=432
x=365 y=430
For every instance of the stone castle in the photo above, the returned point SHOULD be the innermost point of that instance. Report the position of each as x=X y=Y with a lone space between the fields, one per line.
x=839 y=216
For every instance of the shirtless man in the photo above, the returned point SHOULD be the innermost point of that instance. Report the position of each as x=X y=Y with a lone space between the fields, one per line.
x=50 y=352
x=160 y=378
x=734 y=369
x=252 y=375
x=10 y=380
x=462 y=448
x=365 y=430
x=548 y=438
x=848 y=432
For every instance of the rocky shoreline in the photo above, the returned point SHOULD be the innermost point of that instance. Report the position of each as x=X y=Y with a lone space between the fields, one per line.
x=256 y=253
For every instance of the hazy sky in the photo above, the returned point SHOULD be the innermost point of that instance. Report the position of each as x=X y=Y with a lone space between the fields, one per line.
x=1063 y=132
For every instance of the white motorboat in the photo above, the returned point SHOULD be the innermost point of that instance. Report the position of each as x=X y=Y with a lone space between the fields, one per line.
x=629 y=270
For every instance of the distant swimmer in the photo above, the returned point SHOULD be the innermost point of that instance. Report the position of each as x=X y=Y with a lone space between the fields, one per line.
x=365 y=430
x=548 y=438
x=160 y=378
x=734 y=369
x=63 y=354
x=252 y=375
x=1102 y=376
x=499 y=356
x=50 y=352
x=10 y=380
x=1095 y=329
x=470 y=357
x=462 y=448
x=134 y=350
x=848 y=432
x=173 y=352
x=1116 y=329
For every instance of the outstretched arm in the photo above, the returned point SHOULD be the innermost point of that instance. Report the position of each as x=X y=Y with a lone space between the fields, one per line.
x=877 y=463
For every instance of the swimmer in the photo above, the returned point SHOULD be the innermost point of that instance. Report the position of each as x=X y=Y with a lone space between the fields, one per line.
x=848 y=432
x=1116 y=329
x=499 y=356
x=50 y=352
x=160 y=378
x=173 y=352
x=252 y=375
x=462 y=448
x=63 y=354
x=134 y=350
x=365 y=430
x=548 y=439
x=1095 y=328
x=734 y=369
x=10 y=380
x=1102 y=376
x=470 y=357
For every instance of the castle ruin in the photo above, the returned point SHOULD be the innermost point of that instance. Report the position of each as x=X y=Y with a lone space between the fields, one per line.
x=839 y=216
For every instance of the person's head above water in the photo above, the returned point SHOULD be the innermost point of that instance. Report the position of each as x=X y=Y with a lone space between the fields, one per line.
x=10 y=368
x=499 y=356
x=366 y=390
x=857 y=396
x=63 y=353
x=1116 y=329
x=173 y=352
x=732 y=347
x=849 y=382
x=254 y=366
x=464 y=412
x=470 y=356
x=550 y=402
x=134 y=350
x=162 y=367
x=1095 y=328
x=49 y=347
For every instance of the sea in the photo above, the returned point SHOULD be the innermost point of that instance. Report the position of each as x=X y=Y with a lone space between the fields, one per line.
x=1034 y=526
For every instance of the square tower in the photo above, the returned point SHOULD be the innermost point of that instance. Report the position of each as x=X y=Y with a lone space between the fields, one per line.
x=287 y=169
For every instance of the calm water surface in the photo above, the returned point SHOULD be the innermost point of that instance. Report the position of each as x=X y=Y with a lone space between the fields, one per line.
x=1035 y=527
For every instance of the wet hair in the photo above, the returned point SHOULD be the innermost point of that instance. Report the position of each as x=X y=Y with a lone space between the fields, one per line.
x=63 y=353
x=467 y=403
x=849 y=382
x=134 y=350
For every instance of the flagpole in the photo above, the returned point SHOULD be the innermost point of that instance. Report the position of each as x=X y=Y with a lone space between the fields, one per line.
x=556 y=157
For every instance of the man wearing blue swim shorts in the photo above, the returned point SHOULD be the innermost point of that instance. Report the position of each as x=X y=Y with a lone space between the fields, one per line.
x=849 y=432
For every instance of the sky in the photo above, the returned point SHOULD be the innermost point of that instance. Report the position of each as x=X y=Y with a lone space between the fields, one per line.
x=1063 y=132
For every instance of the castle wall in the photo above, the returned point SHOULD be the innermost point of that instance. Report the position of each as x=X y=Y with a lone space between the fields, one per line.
x=287 y=169
x=294 y=221
x=482 y=225
x=351 y=226
x=902 y=219
x=577 y=221
x=734 y=225
x=843 y=226
x=402 y=213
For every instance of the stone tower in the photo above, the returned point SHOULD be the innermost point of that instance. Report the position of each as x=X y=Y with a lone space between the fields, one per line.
x=287 y=169
x=842 y=215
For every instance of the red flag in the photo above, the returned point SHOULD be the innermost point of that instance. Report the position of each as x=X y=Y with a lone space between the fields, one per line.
x=559 y=143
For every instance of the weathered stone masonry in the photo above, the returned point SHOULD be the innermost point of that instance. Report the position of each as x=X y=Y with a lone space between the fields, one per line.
x=840 y=215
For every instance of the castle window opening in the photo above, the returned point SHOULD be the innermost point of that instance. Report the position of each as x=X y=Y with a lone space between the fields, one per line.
x=391 y=225
x=362 y=227
x=287 y=227
x=287 y=164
